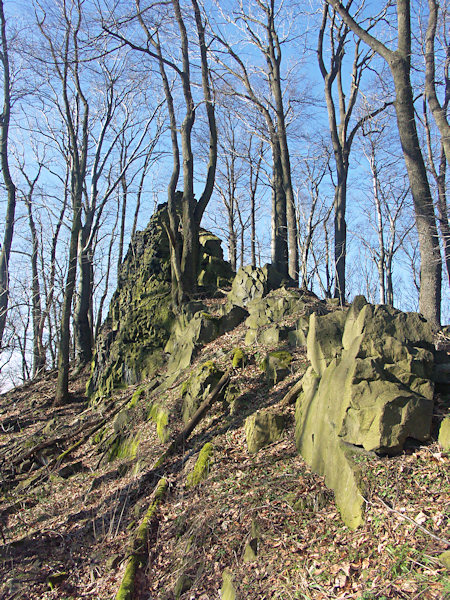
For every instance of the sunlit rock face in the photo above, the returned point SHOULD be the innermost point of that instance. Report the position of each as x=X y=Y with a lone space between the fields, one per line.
x=368 y=387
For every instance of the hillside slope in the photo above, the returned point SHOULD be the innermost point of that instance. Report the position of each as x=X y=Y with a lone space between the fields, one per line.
x=259 y=525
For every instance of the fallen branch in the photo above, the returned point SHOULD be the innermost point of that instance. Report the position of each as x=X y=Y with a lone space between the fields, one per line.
x=421 y=527
x=293 y=393
x=139 y=546
x=197 y=417
x=40 y=476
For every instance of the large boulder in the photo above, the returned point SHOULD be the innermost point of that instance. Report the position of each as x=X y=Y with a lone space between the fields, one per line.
x=253 y=282
x=198 y=386
x=370 y=389
x=193 y=328
x=263 y=428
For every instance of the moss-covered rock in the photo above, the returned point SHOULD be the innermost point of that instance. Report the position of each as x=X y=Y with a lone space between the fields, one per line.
x=239 y=358
x=263 y=428
x=251 y=548
x=444 y=559
x=198 y=386
x=276 y=365
x=194 y=328
x=227 y=591
x=140 y=319
x=159 y=414
x=138 y=325
x=202 y=466
x=124 y=446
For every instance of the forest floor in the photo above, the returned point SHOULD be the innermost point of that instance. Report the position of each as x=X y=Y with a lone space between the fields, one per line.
x=66 y=524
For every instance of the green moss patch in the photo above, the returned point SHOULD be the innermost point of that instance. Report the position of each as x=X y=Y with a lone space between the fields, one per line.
x=202 y=466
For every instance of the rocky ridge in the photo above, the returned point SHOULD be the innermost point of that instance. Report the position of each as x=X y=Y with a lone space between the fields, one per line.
x=311 y=390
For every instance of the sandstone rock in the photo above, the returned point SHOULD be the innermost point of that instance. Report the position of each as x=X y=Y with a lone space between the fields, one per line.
x=444 y=434
x=317 y=413
x=198 y=386
x=263 y=428
x=370 y=389
x=324 y=339
x=227 y=591
x=253 y=282
x=195 y=327
x=276 y=365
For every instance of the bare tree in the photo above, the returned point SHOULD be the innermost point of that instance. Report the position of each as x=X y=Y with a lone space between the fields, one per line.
x=75 y=113
x=5 y=250
x=184 y=243
x=399 y=62
x=259 y=26
x=439 y=111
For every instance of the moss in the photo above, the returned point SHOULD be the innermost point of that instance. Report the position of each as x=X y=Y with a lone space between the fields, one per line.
x=56 y=579
x=202 y=465
x=124 y=447
x=282 y=356
x=136 y=397
x=160 y=416
x=140 y=545
x=239 y=358
x=210 y=317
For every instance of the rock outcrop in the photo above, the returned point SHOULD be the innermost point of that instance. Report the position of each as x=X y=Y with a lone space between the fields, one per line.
x=140 y=321
x=371 y=388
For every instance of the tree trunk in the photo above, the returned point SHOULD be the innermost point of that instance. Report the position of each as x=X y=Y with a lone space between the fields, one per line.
x=232 y=249
x=431 y=265
x=280 y=239
x=9 y=184
x=443 y=221
x=399 y=62
x=62 y=384
x=340 y=236
x=39 y=358
x=82 y=317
